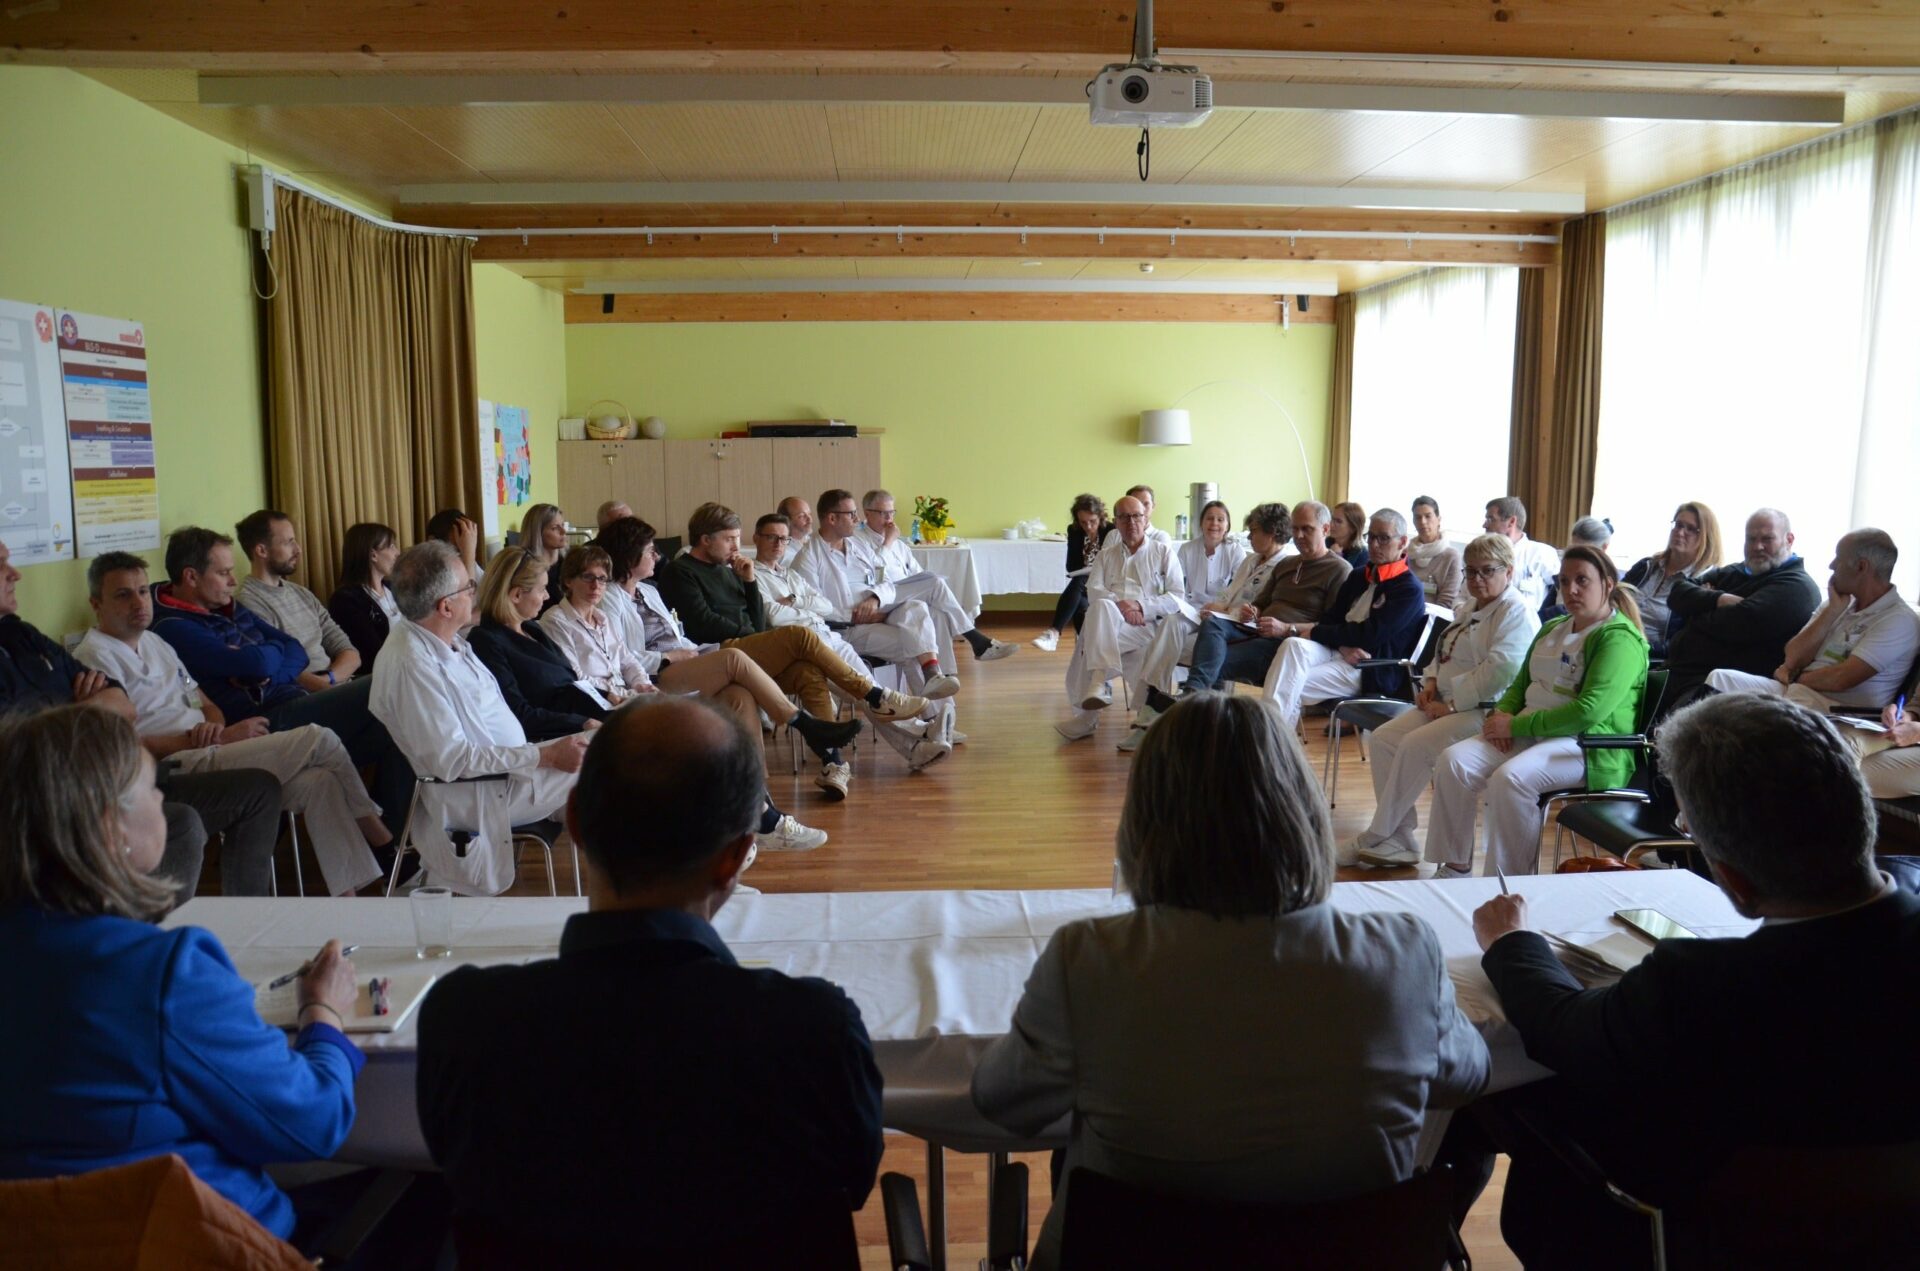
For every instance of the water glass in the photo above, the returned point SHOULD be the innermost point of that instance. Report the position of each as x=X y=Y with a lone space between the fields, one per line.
x=432 y=922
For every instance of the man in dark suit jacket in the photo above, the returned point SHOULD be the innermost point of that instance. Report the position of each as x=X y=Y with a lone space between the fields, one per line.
x=1709 y=1046
x=1739 y=617
x=643 y=1098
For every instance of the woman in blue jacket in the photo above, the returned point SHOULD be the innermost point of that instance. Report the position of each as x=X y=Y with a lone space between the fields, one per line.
x=126 y=1040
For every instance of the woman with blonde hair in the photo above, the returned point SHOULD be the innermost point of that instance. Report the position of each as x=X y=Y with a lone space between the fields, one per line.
x=1584 y=673
x=1347 y=534
x=543 y=536
x=130 y=1041
x=1475 y=660
x=1234 y=1035
x=1693 y=547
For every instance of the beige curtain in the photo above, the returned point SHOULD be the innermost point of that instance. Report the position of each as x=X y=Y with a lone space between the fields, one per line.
x=1524 y=436
x=1340 y=422
x=374 y=413
x=1570 y=447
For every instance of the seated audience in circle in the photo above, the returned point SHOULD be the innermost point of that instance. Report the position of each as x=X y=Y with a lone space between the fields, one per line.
x=1739 y=617
x=126 y=1041
x=591 y=641
x=1208 y=559
x=273 y=555
x=1584 y=673
x=543 y=536
x=1434 y=561
x=1145 y=494
x=1857 y=650
x=1234 y=1036
x=1088 y=529
x=1712 y=1046
x=710 y=1103
x=1535 y=564
x=1477 y=657
x=1135 y=587
x=1347 y=535
x=1693 y=547
x=541 y=683
x=363 y=603
x=906 y=579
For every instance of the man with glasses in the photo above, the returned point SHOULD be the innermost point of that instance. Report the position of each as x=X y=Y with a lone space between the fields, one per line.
x=445 y=710
x=1536 y=566
x=1739 y=617
x=248 y=667
x=1241 y=645
x=1136 y=584
x=900 y=577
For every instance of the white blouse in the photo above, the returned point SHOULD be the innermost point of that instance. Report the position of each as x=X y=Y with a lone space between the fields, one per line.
x=598 y=650
x=1208 y=576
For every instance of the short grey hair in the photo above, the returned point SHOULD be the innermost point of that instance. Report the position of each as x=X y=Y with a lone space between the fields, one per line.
x=1770 y=789
x=422 y=576
x=1490 y=549
x=1590 y=530
x=1876 y=547
x=1508 y=507
x=1270 y=519
x=872 y=497
x=1223 y=814
x=1779 y=519
x=1322 y=514
x=1393 y=518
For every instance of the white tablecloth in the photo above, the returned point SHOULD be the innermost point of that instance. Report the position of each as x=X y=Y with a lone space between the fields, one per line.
x=1020 y=566
x=955 y=564
x=936 y=974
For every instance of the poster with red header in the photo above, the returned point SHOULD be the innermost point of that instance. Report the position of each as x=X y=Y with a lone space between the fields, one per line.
x=103 y=370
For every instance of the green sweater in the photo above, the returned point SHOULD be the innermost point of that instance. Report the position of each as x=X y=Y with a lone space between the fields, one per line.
x=714 y=605
x=1607 y=701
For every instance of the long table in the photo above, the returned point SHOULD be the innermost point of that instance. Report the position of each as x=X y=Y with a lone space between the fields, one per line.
x=936 y=974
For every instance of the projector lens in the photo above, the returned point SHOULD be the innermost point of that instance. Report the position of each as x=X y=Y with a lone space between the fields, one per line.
x=1134 y=89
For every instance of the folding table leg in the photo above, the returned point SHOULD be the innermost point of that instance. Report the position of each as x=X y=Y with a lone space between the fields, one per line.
x=937 y=1205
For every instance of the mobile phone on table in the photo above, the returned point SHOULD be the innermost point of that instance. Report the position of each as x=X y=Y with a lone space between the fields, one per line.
x=1653 y=924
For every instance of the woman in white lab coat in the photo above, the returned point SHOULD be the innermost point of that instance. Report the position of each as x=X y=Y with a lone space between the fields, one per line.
x=1209 y=558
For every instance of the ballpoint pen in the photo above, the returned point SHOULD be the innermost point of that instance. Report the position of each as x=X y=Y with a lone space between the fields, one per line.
x=1501 y=874
x=305 y=967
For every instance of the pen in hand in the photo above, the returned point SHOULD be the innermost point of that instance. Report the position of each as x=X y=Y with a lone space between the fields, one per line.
x=304 y=967
x=1501 y=874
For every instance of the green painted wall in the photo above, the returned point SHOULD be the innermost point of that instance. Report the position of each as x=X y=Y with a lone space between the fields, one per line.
x=118 y=210
x=1008 y=420
x=520 y=355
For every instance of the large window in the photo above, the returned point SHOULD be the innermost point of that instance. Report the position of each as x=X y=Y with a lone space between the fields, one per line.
x=1759 y=349
x=1433 y=391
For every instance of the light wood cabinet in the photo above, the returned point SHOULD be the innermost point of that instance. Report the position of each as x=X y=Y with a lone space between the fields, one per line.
x=664 y=481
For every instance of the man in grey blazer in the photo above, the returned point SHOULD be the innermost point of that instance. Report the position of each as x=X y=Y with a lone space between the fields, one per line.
x=1234 y=1036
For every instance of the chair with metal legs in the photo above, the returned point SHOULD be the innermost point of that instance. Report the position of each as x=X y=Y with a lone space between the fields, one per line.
x=542 y=833
x=1364 y=714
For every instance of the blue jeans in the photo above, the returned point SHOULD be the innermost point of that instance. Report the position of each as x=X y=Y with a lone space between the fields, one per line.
x=1222 y=652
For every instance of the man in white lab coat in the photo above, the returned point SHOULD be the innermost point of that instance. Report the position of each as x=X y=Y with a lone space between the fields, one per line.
x=445 y=712
x=902 y=578
x=1136 y=584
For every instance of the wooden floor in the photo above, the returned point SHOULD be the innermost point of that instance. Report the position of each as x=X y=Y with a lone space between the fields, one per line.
x=1017 y=807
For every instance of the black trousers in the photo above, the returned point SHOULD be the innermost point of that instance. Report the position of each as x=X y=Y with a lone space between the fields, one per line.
x=243 y=805
x=1072 y=605
x=344 y=708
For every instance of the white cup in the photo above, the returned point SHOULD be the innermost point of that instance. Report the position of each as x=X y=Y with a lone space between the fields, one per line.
x=1014 y=533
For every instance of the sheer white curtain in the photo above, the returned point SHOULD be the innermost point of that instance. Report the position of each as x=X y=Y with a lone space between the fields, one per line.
x=1760 y=341
x=1432 y=392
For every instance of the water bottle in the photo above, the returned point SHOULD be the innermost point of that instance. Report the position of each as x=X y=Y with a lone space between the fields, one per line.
x=914 y=531
x=1180 y=526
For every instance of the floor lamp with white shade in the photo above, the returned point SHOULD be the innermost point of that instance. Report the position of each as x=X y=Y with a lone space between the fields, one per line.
x=1172 y=426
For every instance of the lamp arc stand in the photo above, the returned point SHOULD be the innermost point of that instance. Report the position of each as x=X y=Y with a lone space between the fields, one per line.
x=1306 y=468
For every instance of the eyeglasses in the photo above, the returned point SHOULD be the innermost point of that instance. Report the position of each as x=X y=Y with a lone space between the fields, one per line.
x=460 y=591
x=880 y=511
x=593 y=580
x=1484 y=571
x=771 y=537
x=1381 y=538
x=1685 y=527
x=841 y=512
x=1132 y=516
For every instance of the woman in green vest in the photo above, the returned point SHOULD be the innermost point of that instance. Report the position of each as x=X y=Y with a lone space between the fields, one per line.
x=1585 y=673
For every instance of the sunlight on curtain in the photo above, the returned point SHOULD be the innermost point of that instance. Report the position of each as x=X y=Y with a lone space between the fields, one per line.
x=1760 y=348
x=1433 y=391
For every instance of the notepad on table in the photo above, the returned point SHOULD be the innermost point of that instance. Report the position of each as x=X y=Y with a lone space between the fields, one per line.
x=281 y=1007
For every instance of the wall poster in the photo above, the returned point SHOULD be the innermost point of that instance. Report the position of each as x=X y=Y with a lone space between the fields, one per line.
x=36 y=490
x=103 y=369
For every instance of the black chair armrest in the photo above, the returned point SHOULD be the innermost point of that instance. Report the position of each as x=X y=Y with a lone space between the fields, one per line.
x=906 y=1235
x=462 y=781
x=1007 y=1223
x=1375 y=663
x=338 y=1242
x=1612 y=741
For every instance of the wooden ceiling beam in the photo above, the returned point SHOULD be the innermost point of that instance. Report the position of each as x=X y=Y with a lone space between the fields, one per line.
x=935 y=307
x=359 y=35
x=970 y=246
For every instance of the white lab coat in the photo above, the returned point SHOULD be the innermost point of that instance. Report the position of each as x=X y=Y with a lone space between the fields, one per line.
x=1208 y=576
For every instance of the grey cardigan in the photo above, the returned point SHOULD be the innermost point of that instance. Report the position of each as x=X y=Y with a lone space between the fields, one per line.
x=1285 y=1058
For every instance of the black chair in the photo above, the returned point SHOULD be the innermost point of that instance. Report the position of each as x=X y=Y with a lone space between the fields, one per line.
x=907 y=1248
x=1364 y=714
x=816 y=1237
x=1115 y=1226
x=1639 y=788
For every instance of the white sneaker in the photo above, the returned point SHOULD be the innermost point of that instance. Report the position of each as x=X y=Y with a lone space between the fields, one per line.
x=1142 y=720
x=940 y=687
x=956 y=738
x=790 y=836
x=997 y=649
x=1047 y=641
x=1078 y=728
x=926 y=751
x=1348 y=853
x=1099 y=699
x=833 y=779
x=1383 y=856
x=897 y=705
x=1452 y=871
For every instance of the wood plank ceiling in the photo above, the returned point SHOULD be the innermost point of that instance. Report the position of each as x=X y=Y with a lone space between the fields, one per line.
x=496 y=115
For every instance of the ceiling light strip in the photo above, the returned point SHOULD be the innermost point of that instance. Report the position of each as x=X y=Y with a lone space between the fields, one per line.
x=1170 y=232
x=1116 y=286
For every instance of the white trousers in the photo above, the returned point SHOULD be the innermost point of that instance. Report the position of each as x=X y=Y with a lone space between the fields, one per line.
x=905 y=633
x=1172 y=645
x=1404 y=752
x=1513 y=783
x=318 y=781
x=1798 y=694
x=950 y=621
x=488 y=810
x=1109 y=645
x=1305 y=672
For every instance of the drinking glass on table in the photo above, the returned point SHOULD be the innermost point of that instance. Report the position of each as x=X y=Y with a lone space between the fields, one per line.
x=432 y=922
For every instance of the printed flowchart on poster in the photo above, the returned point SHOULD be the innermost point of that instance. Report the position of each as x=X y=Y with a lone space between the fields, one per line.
x=36 y=488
